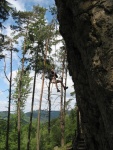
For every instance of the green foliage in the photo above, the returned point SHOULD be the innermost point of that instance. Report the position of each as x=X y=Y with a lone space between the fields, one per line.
x=2 y=133
x=53 y=10
x=70 y=125
x=48 y=141
x=35 y=30
x=25 y=87
x=5 y=9
x=72 y=93
x=38 y=33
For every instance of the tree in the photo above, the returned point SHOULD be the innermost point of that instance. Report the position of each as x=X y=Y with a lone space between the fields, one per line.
x=49 y=116
x=39 y=32
x=62 y=107
x=22 y=20
x=39 y=110
x=20 y=95
x=36 y=35
x=19 y=100
x=9 y=105
x=32 y=103
x=9 y=47
x=5 y=10
x=61 y=56
x=25 y=89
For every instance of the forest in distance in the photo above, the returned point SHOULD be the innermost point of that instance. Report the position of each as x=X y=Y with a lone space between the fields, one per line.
x=44 y=115
x=48 y=141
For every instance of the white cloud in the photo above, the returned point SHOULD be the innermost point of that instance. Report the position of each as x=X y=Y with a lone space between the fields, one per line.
x=3 y=105
x=18 y=4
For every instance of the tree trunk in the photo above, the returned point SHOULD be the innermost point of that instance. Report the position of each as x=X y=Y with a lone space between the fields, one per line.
x=40 y=102
x=39 y=113
x=64 y=112
x=9 y=105
x=49 y=117
x=31 y=115
x=62 y=109
x=33 y=94
x=65 y=83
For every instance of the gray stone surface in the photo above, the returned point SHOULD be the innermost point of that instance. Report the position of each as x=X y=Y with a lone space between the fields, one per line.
x=87 y=28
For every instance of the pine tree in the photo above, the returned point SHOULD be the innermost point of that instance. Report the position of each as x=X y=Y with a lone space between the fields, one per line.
x=62 y=59
x=39 y=33
x=41 y=94
x=9 y=105
x=5 y=11
x=22 y=20
x=8 y=45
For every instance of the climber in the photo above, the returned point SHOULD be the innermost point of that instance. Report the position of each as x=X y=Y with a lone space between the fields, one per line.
x=53 y=79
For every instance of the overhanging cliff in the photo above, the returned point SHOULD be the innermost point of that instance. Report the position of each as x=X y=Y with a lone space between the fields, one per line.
x=87 y=28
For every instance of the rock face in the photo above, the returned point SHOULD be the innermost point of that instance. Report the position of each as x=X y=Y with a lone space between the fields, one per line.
x=87 y=28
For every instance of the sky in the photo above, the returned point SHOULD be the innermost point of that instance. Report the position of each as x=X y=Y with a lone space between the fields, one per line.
x=26 y=5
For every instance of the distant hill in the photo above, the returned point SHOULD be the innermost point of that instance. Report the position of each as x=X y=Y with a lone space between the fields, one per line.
x=3 y=114
x=44 y=115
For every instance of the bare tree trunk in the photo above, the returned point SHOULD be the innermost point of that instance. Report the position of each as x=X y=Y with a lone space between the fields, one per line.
x=65 y=90
x=39 y=113
x=39 y=110
x=19 y=116
x=63 y=95
x=49 y=117
x=31 y=115
x=61 y=119
x=9 y=105
x=62 y=111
